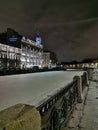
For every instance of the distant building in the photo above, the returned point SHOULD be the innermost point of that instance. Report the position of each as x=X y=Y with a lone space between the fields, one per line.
x=19 y=52
x=49 y=59
x=82 y=65
x=46 y=59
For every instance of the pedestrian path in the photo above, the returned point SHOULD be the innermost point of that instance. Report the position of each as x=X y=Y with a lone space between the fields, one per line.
x=89 y=118
x=85 y=116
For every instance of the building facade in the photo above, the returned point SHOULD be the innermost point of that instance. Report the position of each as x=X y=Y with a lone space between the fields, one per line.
x=17 y=52
x=10 y=50
x=49 y=59
x=9 y=57
x=46 y=59
x=31 y=54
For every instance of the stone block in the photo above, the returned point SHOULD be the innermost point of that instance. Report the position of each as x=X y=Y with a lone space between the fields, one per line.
x=20 y=117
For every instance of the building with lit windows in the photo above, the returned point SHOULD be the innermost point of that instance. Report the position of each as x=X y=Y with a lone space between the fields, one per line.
x=9 y=57
x=10 y=50
x=31 y=54
x=17 y=52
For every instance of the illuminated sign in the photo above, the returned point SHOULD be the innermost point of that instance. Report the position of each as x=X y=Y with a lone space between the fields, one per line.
x=13 y=39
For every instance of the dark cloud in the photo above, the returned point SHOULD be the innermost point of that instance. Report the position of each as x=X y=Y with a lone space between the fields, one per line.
x=68 y=27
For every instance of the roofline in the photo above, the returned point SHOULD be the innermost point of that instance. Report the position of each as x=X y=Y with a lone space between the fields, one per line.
x=31 y=44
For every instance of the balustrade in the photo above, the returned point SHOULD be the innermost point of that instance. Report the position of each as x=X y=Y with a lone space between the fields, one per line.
x=56 y=111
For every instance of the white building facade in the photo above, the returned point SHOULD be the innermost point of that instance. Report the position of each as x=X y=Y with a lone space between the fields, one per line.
x=26 y=57
x=9 y=57
x=31 y=54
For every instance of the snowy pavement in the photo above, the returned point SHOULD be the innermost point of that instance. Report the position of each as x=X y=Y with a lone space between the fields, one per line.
x=32 y=88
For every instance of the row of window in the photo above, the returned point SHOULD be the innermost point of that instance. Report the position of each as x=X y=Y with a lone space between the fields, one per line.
x=9 y=56
x=9 y=49
x=26 y=55
x=31 y=52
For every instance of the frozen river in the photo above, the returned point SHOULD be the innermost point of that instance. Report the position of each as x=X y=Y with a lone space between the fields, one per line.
x=32 y=88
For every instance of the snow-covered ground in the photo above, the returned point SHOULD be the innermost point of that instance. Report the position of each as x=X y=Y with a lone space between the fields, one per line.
x=32 y=88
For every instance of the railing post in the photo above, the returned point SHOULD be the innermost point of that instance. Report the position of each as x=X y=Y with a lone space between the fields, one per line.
x=90 y=73
x=79 y=86
x=87 y=80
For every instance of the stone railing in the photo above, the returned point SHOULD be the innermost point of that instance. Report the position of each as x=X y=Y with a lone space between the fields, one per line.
x=53 y=114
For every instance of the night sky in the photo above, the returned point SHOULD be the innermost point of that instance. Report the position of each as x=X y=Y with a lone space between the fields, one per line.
x=68 y=27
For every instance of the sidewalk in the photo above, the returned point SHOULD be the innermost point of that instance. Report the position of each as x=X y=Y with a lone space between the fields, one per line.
x=89 y=118
x=85 y=116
